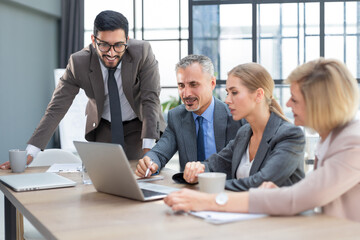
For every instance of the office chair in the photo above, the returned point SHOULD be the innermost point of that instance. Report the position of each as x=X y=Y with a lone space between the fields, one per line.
x=45 y=158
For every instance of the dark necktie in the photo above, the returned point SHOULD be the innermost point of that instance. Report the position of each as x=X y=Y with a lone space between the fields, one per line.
x=117 y=130
x=200 y=140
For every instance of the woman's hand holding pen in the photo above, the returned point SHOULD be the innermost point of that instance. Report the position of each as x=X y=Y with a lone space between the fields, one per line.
x=146 y=167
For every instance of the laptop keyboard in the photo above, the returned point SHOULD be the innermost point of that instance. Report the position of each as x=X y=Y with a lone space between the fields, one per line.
x=149 y=193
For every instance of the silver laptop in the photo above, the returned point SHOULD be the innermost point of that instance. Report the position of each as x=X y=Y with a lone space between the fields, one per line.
x=36 y=181
x=110 y=172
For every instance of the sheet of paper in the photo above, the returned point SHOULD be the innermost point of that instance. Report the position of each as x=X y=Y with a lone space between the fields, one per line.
x=157 y=187
x=149 y=179
x=225 y=217
x=65 y=167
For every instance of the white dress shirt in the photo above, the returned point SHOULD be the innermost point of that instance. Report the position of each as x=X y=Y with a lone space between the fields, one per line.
x=243 y=170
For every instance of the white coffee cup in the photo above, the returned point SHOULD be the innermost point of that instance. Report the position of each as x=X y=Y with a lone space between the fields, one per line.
x=17 y=159
x=212 y=182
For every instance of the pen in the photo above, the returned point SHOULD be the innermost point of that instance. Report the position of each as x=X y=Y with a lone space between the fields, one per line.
x=148 y=169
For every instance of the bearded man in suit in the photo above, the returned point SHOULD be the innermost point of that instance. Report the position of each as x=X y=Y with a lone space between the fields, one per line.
x=133 y=66
x=196 y=82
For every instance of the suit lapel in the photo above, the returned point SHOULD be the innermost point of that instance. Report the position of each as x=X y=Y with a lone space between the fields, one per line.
x=220 y=124
x=97 y=81
x=270 y=129
x=126 y=78
x=241 y=146
x=188 y=133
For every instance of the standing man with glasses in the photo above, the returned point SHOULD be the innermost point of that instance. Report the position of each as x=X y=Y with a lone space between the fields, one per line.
x=120 y=76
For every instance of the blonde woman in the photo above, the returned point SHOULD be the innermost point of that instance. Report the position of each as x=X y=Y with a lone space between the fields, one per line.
x=325 y=97
x=268 y=148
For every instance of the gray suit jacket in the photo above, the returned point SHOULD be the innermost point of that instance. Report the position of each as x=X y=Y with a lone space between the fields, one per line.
x=279 y=159
x=180 y=135
x=141 y=85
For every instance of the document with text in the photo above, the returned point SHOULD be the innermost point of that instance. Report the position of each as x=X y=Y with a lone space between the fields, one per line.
x=225 y=217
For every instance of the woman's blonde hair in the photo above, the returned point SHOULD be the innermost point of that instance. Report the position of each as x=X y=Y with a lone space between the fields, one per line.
x=330 y=92
x=254 y=76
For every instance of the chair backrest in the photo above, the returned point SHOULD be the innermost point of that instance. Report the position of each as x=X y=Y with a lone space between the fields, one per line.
x=54 y=155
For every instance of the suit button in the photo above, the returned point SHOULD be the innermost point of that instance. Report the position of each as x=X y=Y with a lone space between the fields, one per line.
x=94 y=124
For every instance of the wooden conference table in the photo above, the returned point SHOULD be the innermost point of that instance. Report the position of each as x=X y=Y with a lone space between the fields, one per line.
x=82 y=213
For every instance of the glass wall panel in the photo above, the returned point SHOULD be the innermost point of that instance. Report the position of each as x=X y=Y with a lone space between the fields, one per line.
x=225 y=36
x=289 y=57
x=312 y=48
x=164 y=24
x=232 y=53
x=184 y=13
x=290 y=23
x=269 y=20
x=334 y=23
x=269 y=55
x=351 y=55
x=334 y=47
x=167 y=54
x=312 y=18
x=184 y=48
x=342 y=34
x=206 y=33
x=235 y=21
x=352 y=9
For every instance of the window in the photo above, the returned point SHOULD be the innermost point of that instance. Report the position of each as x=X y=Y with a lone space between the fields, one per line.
x=279 y=35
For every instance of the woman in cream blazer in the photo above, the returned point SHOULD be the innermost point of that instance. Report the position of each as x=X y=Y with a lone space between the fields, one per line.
x=325 y=97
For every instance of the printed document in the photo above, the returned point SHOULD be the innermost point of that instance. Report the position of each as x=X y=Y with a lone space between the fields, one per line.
x=225 y=217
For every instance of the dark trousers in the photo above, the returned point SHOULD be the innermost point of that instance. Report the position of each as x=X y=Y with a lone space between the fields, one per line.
x=132 y=132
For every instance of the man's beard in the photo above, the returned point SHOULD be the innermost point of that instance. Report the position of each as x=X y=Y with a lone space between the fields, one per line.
x=194 y=100
x=106 y=64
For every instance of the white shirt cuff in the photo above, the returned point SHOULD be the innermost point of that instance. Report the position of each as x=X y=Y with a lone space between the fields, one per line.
x=148 y=143
x=32 y=150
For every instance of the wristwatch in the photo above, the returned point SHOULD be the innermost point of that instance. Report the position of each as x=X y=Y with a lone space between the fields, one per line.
x=221 y=199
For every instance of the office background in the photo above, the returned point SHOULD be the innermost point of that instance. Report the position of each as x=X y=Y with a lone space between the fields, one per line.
x=277 y=34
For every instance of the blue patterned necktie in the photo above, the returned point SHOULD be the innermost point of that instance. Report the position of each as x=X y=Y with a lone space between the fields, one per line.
x=200 y=140
x=117 y=130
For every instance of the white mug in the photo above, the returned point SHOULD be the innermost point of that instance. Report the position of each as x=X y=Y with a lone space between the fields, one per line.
x=212 y=182
x=17 y=159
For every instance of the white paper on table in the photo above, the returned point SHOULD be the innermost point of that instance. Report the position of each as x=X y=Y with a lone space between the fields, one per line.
x=225 y=217
x=65 y=167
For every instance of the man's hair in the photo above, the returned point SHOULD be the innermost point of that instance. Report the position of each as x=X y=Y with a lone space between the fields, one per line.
x=330 y=92
x=205 y=63
x=109 y=21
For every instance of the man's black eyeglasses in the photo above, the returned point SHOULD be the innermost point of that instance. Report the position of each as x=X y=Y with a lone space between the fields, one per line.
x=119 y=47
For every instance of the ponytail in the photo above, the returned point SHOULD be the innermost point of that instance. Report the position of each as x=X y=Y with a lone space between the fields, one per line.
x=275 y=108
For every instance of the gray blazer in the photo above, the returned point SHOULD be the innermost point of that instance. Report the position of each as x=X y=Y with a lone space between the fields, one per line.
x=279 y=159
x=141 y=85
x=180 y=135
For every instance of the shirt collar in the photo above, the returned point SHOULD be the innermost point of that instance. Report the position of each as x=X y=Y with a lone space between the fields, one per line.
x=208 y=114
